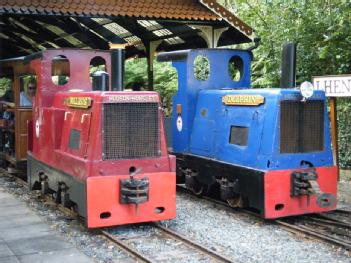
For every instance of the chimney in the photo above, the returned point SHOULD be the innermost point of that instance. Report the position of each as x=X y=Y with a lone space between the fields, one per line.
x=288 y=78
x=117 y=66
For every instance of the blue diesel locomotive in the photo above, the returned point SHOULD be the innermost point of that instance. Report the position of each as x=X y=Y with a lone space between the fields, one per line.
x=266 y=149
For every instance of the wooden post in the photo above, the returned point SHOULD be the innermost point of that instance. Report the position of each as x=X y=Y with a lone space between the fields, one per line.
x=334 y=129
x=150 y=70
x=150 y=52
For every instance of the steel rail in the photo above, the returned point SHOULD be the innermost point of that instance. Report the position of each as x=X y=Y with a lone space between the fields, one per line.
x=127 y=248
x=192 y=244
x=312 y=232
x=330 y=221
x=342 y=211
x=122 y=245
x=16 y=179
x=290 y=227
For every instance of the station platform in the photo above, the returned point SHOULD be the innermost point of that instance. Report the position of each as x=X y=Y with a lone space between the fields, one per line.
x=25 y=238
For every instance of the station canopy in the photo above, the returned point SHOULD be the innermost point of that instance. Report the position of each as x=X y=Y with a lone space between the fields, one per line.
x=158 y=25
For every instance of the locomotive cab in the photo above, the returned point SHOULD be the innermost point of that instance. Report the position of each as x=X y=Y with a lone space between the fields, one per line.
x=100 y=152
x=266 y=149
x=15 y=111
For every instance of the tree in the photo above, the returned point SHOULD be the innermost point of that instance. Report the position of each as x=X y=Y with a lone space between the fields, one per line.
x=322 y=30
x=165 y=79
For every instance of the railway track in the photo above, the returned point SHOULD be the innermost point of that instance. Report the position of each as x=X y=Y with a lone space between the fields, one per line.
x=181 y=248
x=334 y=232
x=332 y=227
x=167 y=246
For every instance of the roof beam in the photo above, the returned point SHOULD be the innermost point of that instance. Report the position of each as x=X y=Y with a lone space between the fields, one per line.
x=12 y=26
x=101 y=30
x=47 y=34
x=10 y=49
x=105 y=33
x=83 y=34
x=188 y=36
x=20 y=42
x=134 y=27
x=20 y=39
x=147 y=35
x=69 y=30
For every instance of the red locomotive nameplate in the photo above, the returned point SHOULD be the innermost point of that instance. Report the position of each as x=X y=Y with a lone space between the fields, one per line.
x=78 y=102
x=130 y=98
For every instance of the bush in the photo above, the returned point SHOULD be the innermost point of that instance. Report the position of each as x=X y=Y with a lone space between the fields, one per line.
x=165 y=80
x=344 y=132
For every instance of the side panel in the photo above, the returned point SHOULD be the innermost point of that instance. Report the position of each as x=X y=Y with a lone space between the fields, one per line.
x=76 y=191
x=189 y=87
x=283 y=161
x=249 y=182
x=279 y=203
x=22 y=117
x=104 y=194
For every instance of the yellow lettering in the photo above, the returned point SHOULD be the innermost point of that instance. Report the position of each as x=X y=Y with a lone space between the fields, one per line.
x=79 y=102
x=243 y=100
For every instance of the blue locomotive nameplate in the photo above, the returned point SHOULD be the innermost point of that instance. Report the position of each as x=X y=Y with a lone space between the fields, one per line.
x=243 y=100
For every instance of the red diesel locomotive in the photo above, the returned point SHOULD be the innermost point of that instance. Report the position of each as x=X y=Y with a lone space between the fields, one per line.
x=102 y=152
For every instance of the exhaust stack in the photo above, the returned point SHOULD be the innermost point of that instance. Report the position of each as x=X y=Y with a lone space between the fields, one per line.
x=288 y=77
x=117 y=66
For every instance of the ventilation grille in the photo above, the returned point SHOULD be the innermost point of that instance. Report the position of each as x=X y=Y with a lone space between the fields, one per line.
x=301 y=126
x=131 y=130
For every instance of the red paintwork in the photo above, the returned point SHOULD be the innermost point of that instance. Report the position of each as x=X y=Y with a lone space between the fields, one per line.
x=55 y=120
x=30 y=135
x=104 y=197
x=277 y=191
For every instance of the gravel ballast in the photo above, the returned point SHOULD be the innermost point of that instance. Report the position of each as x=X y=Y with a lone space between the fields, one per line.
x=242 y=238
x=72 y=230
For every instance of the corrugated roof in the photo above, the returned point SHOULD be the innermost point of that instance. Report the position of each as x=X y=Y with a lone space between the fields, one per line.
x=208 y=10
x=31 y=26
x=168 y=9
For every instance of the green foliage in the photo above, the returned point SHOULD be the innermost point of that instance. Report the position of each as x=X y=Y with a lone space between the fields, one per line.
x=322 y=30
x=201 y=68
x=166 y=83
x=165 y=79
x=5 y=85
x=135 y=73
x=235 y=68
x=94 y=69
x=344 y=120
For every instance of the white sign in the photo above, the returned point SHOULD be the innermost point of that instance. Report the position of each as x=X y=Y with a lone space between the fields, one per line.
x=179 y=124
x=37 y=128
x=334 y=86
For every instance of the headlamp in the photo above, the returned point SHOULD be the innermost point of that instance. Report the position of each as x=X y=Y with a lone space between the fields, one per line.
x=306 y=89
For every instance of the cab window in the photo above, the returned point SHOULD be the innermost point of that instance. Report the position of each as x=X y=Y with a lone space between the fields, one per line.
x=28 y=88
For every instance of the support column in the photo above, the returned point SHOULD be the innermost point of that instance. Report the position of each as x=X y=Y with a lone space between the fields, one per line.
x=334 y=129
x=210 y=35
x=150 y=52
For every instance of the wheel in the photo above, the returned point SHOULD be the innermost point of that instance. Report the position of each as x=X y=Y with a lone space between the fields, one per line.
x=198 y=188
x=235 y=202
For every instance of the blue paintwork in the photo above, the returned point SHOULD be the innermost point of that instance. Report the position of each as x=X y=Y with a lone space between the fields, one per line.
x=207 y=121
x=189 y=86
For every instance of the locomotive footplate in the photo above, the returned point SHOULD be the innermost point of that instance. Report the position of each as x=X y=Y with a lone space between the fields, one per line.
x=134 y=191
x=305 y=183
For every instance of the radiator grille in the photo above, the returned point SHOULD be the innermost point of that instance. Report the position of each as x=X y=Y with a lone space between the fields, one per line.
x=301 y=126
x=131 y=130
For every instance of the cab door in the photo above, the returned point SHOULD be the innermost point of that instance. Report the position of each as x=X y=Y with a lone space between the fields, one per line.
x=23 y=115
x=76 y=130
